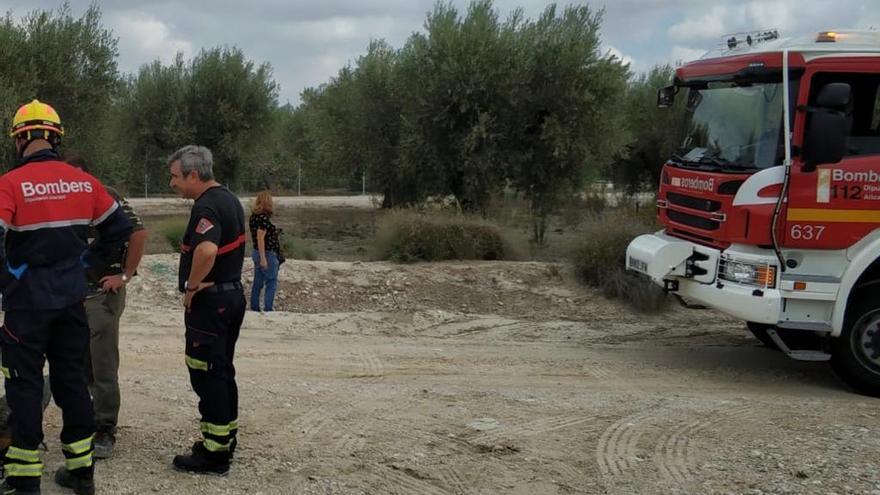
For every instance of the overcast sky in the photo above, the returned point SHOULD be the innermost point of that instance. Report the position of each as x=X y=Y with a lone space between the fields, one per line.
x=308 y=41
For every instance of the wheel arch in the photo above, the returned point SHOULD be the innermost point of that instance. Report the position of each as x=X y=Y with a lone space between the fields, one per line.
x=863 y=272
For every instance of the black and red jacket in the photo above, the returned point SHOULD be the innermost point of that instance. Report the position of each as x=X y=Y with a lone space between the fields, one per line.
x=217 y=217
x=46 y=209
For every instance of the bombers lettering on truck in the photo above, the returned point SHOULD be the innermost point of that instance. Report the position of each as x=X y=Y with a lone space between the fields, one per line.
x=840 y=175
x=29 y=189
x=694 y=183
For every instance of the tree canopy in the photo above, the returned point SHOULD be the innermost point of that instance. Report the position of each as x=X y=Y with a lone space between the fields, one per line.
x=471 y=106
x=476 y=104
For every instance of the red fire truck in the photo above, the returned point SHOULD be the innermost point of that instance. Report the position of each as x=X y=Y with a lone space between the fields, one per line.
x=771 y=207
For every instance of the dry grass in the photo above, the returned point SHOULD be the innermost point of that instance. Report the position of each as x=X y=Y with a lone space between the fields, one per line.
x=408 y=236
x=296 y=249
x=600 y=260
x=170 y=230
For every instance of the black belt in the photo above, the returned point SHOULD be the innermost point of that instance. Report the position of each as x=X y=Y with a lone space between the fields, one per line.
x=223 y=287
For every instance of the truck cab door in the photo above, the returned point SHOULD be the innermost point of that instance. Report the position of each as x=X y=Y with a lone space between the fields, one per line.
x=833 y=205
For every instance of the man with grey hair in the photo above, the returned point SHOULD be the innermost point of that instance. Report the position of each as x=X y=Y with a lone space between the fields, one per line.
x=212 y=254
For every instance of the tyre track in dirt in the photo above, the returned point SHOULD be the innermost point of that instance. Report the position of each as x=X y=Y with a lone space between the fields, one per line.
x=666 y=436
x=396 y=476
x=347 y=441
x=674 y=452
x=404 y=481
x=326 y=416
x=616 y=452
x=530 y=428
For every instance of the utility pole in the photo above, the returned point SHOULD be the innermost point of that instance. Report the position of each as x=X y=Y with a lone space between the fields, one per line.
x=364 y=183
x=146 y=173
x=299 y=179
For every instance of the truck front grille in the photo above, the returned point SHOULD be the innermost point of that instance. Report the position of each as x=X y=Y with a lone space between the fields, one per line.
x=693 y=203
x=692 y=220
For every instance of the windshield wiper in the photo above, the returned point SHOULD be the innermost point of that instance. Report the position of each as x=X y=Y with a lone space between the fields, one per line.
x=689 y=163
x=710 y=161
x=713 y=156
x=713 y=160
x=725 y=165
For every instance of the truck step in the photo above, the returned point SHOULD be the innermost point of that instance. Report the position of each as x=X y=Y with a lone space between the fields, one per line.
x=813 y=326
x=809 y=355
x=800 y=355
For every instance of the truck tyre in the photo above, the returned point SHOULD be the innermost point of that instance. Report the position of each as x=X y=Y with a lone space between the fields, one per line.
x=759 y=330
x=855 y=355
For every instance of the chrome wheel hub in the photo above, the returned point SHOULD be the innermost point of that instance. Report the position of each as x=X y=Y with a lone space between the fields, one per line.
x=868 y=340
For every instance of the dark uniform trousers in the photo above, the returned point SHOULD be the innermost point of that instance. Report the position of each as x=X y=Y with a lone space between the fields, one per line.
x=28 y=338
x=212 y=327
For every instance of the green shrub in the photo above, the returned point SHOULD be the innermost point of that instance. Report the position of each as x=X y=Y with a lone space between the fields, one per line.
x=407 y=236
x=296 y=249
x=172 y=230
x=600 y=260
x=576 y=208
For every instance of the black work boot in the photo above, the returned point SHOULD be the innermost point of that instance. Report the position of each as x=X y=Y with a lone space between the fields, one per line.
x=104 y=442
x=81 y=484
x=232 y=445
x=7 y=489
x=201 y=460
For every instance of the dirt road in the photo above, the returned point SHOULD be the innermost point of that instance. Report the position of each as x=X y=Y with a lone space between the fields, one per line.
x=476 y=378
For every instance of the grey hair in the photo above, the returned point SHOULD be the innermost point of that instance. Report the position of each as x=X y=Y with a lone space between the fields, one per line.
x=193 y=157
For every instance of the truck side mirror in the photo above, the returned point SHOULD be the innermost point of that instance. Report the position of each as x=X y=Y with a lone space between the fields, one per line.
x=825 y=140
x=666 y=96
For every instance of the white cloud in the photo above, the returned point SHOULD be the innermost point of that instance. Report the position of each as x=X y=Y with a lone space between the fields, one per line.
x=329 y=63
x=684 y=54
x=636 y=65
x=338 y=29
x=711 y=24
x=331 y=29
x=143 y=38
x=765 y=15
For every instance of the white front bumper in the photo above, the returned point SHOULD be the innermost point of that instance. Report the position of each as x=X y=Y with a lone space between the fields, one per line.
x=694 y=267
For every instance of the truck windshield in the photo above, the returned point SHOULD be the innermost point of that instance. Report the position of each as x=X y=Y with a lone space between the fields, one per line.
x=734 y=126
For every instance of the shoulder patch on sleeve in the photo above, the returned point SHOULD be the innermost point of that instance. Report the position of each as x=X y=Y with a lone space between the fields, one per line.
x=203 y=226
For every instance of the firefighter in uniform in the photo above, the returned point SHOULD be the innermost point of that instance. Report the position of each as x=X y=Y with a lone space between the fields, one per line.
x=212 y=254
x=104 y=306
x=46 y=209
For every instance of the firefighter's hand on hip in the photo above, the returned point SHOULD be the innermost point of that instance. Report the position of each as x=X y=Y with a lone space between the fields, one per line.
x=190 y=292
x=112 y=283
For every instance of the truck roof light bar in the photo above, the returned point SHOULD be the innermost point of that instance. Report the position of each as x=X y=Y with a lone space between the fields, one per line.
x=856 y=38
x=826 y=37
x=750 y=37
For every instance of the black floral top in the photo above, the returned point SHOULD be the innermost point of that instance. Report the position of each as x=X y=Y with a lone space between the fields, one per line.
x=262 y=221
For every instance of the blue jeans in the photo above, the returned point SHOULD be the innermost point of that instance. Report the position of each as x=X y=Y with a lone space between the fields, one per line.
x=264 y=277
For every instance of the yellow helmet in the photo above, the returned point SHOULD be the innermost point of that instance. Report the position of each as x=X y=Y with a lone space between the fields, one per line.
x=36 y=116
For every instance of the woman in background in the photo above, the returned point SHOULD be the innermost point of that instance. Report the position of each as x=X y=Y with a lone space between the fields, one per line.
x=264 y=236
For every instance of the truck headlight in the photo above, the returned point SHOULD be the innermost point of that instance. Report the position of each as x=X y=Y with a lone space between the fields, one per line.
x=747 y=272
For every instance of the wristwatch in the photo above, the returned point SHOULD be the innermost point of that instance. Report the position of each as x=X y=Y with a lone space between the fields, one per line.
x=125 y=278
